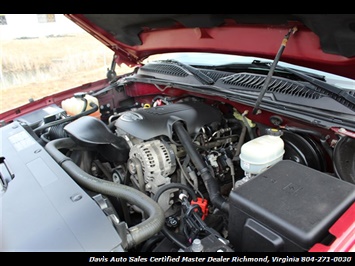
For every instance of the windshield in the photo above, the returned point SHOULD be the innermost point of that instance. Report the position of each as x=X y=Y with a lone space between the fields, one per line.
x=215 y=59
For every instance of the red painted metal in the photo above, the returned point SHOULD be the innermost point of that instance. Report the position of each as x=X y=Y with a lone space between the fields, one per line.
x=344 y=231
x=256 y=40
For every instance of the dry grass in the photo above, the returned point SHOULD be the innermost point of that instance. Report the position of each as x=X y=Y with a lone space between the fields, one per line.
x=34 y=68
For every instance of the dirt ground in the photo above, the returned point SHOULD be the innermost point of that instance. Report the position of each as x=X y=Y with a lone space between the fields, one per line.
x=69 y=61
x=20 y=94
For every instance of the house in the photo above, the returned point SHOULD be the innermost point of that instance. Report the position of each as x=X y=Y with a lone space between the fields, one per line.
x=17 y=26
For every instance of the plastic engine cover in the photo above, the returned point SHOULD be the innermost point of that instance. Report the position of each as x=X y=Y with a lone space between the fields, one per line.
x=42 y=208
x=156 y=121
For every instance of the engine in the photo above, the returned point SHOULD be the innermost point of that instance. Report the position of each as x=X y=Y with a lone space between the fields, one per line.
x=192 y=175
x=152 y=160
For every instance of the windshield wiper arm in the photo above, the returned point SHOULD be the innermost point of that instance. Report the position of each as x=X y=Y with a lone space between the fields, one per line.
x=272 y=68
x=335 y=91
x=197 y=73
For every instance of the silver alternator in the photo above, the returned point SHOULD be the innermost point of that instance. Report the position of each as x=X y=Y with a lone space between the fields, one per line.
x=151 y=163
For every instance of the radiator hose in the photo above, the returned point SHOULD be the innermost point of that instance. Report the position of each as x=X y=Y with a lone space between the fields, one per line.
x=135 y=234
x=210 y=183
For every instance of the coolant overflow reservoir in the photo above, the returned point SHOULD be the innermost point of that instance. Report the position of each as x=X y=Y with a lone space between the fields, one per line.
x=80 y=102
x=262 y=152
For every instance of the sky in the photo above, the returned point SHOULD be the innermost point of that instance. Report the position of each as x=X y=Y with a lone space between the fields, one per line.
x=28 y=25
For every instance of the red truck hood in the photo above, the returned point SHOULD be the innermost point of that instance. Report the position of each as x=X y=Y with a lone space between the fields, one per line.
x=322 y=41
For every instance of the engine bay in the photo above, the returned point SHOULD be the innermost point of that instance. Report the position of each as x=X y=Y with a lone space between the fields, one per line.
x=179 y=171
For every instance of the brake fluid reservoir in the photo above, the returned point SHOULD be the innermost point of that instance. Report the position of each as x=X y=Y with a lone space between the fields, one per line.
x=80 y=103
x=262 y=152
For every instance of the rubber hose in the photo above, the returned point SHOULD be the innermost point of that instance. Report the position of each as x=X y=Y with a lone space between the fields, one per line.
x=68 y=119
x=137 y=233
x=166 y=187
x=165 y=230
x=210 y=183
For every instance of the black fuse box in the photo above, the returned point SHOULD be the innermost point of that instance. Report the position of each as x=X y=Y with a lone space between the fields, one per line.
x=289 y=207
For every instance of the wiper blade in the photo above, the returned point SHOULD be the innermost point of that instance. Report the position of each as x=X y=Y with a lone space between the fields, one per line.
x=272 y=68
x=334 y=91
x=197 y=73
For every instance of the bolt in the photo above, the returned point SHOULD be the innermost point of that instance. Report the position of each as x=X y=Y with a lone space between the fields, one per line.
x=172 y=222
x=76 y=197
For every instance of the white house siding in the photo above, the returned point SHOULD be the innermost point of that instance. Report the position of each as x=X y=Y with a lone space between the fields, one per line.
x=28 y=26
